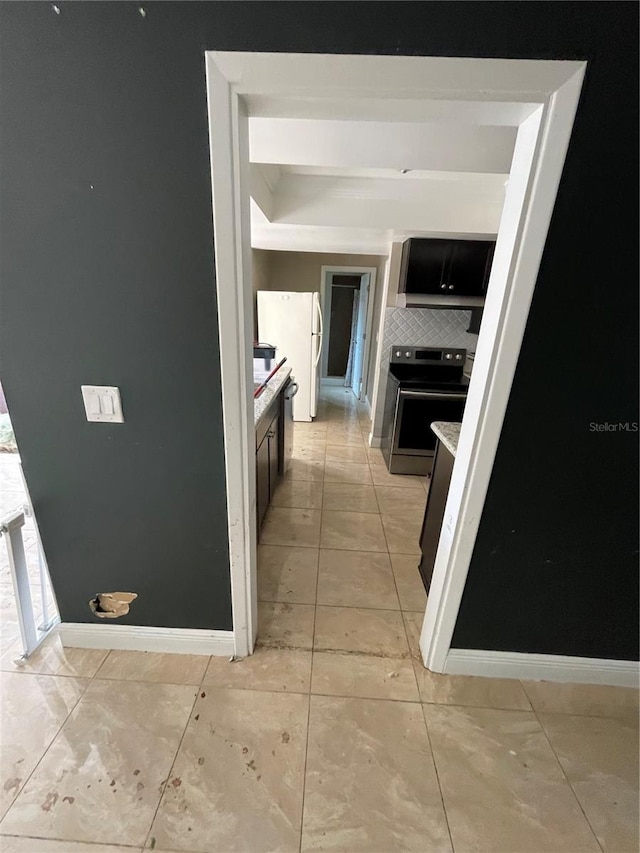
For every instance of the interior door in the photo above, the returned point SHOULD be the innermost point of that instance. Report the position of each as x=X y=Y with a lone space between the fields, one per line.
x=361 y=327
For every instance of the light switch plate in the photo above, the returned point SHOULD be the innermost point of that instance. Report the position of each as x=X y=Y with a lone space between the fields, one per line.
x=102 y=403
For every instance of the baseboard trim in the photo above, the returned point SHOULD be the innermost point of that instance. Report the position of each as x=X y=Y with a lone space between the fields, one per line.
x=620 y=673
x=374 y=440
x=140 y=638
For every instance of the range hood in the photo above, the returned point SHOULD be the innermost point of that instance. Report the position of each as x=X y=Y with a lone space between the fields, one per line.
x=424 y=300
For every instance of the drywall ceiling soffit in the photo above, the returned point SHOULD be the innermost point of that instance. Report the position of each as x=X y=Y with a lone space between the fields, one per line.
x=434 y=147
x=410 y=110
x=356 y=241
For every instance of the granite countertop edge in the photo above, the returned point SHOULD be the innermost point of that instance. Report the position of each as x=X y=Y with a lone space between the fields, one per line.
x=448 y=432
x=262 y=403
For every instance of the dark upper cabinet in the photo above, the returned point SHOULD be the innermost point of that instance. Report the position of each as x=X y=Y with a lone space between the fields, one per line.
x=449 y=270
x=423 y=265
x=469 y=267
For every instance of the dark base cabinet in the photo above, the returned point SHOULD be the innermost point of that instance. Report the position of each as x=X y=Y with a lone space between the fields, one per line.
x=434 y=513
x=274 y=440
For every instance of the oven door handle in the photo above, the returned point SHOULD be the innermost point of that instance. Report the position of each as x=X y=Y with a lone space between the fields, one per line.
x=432 y=395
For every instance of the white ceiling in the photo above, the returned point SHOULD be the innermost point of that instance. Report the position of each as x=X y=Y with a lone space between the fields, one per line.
x=338 y=186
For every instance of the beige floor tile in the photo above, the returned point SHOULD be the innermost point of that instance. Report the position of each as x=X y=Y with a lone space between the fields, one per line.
x=306 y=469
x=284 y=526
x=347 y=472
x=382 y=477
x=107 y=765
x=287 y=574
x=309 y=451
x=411 y=591
x=313 y=429
x=502 y=785
x=301 y=494
x=283 y=670
x=371 y=783
x=41 y=845
x=32 y=710
x=375 y=456
x=238 y=778
x=349 y=629
x=363 y=676
x=592 y=700
x=285 y=625
x=346 y=453
x=402 y=533
x=398 y=499
x=356 y=579
x=413 y=624
x=352 y=531
x=341 y=436
x=153 y=666
x=52 y=658
x=600 y=758
x=471 y=690
x=350 y=498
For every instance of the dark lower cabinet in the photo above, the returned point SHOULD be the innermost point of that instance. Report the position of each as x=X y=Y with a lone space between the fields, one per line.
x=434 y=513
x=274 y=444
x=262 y=479
x=267 y=466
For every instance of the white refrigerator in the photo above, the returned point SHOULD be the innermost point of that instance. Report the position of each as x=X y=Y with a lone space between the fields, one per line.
x=292 y=322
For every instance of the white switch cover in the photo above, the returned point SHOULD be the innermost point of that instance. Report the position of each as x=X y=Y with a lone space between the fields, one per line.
x=102 y=403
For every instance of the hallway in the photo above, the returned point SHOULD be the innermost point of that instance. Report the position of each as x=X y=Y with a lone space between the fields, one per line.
x=332 y=736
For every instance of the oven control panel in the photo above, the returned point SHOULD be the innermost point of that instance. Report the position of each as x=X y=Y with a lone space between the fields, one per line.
x=427 y=355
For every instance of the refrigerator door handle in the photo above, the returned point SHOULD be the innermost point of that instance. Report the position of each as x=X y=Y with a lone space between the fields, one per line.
x=319 y=334
x=316 y=300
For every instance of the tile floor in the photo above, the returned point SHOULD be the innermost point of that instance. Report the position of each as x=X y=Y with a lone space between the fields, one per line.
x=332 y=736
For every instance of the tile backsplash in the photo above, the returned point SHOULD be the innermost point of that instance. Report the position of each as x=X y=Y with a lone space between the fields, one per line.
x=426 y=327
x=419 y=327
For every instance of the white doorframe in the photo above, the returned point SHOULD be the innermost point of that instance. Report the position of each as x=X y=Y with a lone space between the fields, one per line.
x=394 y=87
x=331 y=269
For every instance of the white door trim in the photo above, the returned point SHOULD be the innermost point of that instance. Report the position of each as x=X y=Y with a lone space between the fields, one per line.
x=577 y=670
x=540 y=151
x=229 y=150
x=546 y=93
x=330 y=269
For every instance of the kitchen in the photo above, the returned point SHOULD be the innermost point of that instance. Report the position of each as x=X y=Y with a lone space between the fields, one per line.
x=425 y=384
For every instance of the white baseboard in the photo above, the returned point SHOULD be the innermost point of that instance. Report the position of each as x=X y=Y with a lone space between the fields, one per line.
x=139 y=638
x=374 y=440
x=621 y=673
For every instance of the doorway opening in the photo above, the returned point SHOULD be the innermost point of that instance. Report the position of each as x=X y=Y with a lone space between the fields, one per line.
x=29 y=610
x=537 y=98
x=347 y=295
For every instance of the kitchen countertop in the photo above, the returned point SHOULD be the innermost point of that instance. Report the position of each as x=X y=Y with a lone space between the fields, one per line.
x=272 y=390
x=448 y=432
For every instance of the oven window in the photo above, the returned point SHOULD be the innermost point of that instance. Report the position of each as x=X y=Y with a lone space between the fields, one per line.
x=415 y=417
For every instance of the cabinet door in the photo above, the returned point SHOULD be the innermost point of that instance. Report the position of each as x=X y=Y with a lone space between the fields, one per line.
x=274 y=455
x=468 y=269
x=424 y=264
x=262 y=479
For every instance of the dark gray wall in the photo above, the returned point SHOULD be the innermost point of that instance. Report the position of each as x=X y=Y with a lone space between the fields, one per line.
x=115 y=284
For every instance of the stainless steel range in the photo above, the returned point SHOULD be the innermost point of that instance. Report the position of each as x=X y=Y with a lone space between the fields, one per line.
x=425 y=384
